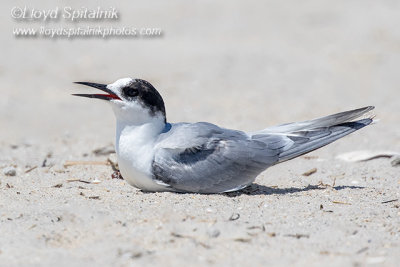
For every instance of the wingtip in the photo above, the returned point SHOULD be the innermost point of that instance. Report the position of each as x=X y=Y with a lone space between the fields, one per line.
x=365 y=109
x=367 y=114
x=370 y=107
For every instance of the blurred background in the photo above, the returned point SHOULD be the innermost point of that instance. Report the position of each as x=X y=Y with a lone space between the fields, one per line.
x=244 y=65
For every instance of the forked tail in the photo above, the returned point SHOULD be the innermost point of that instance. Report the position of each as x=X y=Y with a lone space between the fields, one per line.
x=304 y=137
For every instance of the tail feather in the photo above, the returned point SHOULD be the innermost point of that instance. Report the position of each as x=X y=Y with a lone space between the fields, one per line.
x=298 y=138
x=310 y=140
x=326 y=121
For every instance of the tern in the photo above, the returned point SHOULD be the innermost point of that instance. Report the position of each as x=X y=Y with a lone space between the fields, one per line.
x=155 y=155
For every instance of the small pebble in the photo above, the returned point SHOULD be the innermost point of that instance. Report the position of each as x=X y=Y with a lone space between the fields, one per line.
x=213 y=232
x=10 y=171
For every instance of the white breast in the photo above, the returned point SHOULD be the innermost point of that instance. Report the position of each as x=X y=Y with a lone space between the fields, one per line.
x=135 y=153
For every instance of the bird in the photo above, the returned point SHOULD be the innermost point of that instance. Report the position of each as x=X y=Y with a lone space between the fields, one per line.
x=155 y=155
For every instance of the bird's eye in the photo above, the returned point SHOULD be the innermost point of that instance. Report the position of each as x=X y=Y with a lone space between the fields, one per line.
x=131 y=92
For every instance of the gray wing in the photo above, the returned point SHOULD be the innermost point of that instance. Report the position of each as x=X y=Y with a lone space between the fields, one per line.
x=204 y=158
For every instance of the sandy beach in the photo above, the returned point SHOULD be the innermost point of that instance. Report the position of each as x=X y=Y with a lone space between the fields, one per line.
x=241 y=65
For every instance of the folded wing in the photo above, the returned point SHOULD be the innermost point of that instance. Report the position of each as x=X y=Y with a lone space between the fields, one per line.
x=204 y=158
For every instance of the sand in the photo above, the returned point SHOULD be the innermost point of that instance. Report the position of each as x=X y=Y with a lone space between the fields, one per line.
x=242 y=65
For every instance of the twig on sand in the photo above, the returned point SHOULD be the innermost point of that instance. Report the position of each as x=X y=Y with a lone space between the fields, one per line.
x=340 y=202
x=362 y=250
x=191 y=238
x=320 y=183
x=243 y=240
x=310 y=172
x=321 y=207
x=310 y=157
x=74 y=163
x=78 y=180
x=113 y=164
x=106 y=150
x=31 y=169
x=389 y=201
x=255 y=230
x=298 y=236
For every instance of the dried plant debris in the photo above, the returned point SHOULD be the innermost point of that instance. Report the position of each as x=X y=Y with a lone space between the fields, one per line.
x=191 y=238
x=31 y=169
x=362 y=250
x=234 y=217
x=389 y=201
x=322 y=184
x=69 y=163
x=114 y=164
x=133 y=254
x=44 y=163
x=310 y=157
x=78 y=180
x=340 y=202
x=298 y=236
x=310 y=172
x=364 y=155
x=321 y=207
x=255 y=230
x=95 y=181
x=103 y=151
x=242 y=240
x=396 y=161
x=117 y=175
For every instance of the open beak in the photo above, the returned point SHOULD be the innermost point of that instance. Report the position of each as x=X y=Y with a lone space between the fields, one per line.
x=110 y=94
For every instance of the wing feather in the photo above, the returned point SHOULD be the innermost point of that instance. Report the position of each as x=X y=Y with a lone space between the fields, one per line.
x=226 y=160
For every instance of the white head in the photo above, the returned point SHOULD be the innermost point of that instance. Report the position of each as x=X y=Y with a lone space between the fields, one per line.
x=134 y=101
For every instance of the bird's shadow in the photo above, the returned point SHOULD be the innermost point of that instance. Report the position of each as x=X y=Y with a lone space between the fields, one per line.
x=257 y=189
